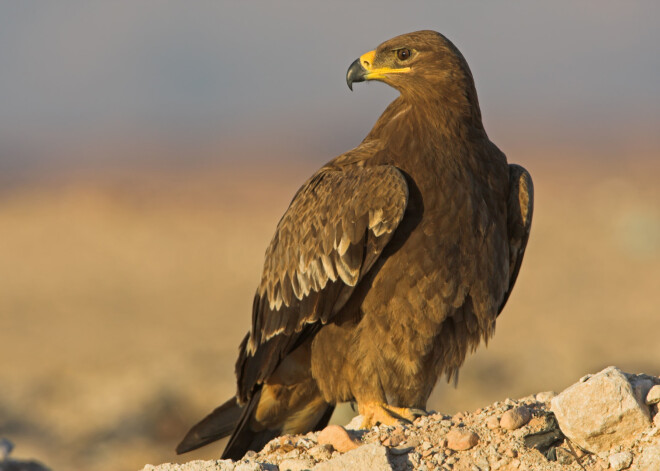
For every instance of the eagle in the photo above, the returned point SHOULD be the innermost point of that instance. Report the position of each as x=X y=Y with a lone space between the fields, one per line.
x=390 y=264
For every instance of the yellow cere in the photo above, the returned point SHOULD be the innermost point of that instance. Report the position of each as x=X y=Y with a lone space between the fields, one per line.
x=367 y=61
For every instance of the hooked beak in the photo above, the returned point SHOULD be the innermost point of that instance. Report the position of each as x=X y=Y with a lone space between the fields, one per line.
x=360 y=68
x=355 y=73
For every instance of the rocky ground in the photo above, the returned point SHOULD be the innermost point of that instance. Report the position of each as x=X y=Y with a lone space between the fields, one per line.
x=608 y=420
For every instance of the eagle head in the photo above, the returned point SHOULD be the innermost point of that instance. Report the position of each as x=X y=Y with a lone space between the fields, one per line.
x=423 y=66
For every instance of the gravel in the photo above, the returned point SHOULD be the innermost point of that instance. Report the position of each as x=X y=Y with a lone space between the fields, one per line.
x=512 y=435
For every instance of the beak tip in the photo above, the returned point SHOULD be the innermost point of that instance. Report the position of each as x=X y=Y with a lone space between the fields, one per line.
x=355 y=73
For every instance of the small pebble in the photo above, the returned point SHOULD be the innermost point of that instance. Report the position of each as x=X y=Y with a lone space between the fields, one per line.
x=653 y=396
x=461 y=439
x=338 y=437
x=458 y=417
x=394 y=439
x=413 y=442
x=401 y=450
x=515 y=418
x=619 y=461
x=355 y=423
x=564 y=456
x=493 y=422
x=545 y=396
x=321 y=452
x=305 y=443
x=295 y=453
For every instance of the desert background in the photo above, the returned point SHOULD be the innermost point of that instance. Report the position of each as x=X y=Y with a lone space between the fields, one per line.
x=148 y=150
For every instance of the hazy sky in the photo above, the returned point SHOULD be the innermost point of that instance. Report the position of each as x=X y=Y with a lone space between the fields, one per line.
x=275 y=71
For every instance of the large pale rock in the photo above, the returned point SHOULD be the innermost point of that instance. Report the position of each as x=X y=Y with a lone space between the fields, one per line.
x=601 y=411
x=649 y=458
x=365 y=458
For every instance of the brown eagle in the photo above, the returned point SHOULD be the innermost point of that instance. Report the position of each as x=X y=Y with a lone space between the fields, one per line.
x=390 y=264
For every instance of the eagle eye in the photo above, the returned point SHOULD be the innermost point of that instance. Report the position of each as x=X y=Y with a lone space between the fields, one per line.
x=403 y=54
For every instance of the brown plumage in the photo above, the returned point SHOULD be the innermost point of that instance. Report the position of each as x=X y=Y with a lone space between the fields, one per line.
x=391 y=263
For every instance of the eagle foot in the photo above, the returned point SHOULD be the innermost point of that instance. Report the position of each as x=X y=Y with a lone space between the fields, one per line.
x=380 y=413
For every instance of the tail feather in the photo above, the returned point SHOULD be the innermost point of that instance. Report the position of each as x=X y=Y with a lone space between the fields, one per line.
x=244 y=438
x=218 y=424
x=231 y=418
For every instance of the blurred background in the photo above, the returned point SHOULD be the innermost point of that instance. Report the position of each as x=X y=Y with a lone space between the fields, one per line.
x=148 y=149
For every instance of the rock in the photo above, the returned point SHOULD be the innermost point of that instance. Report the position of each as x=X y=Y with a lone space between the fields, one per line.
x=355 y=423
x=460 y=440
x=321 y=452
x=515 y=418
x=6 y=447
x=249 y=466
x=197 y=465
x=619 y=461
x=296 y=465
x=365 y=458
x=656 y=419
x=545 y=396
x=458 y=417
x=564 y=456
x=401 y=450
x=493 y=422
x=395 y=439
x=653 y=396
x=601 y=412
x=649 y=458
x=338 y=437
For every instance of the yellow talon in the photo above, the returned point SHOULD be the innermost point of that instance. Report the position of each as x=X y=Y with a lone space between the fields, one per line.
x=380 y=413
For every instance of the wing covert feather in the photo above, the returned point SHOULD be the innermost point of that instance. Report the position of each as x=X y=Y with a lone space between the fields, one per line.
x=332 y=233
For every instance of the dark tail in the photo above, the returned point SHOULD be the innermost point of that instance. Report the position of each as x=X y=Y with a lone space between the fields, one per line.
x=218 y=424
x=244 y=438
x=231 y=418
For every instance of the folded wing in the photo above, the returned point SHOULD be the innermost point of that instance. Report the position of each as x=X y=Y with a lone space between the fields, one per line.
x=332 y=233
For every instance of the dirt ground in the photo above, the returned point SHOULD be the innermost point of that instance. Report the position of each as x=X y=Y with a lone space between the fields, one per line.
x=123 y=300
